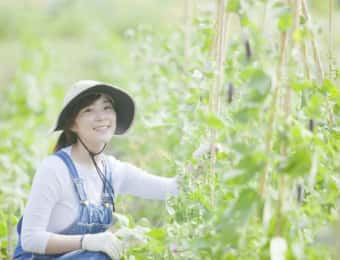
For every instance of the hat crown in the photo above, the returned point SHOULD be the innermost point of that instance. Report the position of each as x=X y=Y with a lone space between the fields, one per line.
x=79 y=87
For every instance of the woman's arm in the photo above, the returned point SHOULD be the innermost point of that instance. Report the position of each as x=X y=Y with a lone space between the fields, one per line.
x=58 y=244
x=135 y=181
x=46 y=191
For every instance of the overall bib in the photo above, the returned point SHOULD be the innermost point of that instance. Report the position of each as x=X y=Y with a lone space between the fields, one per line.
x=91 y=219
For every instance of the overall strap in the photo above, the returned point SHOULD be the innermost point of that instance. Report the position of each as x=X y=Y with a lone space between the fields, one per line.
x=78 y=182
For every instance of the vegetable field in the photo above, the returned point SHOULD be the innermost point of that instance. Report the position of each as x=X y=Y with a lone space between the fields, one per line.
x=240 y=98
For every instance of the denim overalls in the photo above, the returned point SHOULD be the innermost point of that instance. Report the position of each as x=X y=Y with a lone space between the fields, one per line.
x=91 y=219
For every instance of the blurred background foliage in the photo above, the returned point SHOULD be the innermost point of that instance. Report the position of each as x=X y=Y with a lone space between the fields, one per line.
x=45 y=46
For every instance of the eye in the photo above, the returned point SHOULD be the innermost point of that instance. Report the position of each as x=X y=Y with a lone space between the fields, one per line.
x=108 y=107
x=86 y=110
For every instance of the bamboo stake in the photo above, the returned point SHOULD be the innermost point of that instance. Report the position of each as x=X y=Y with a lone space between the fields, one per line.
x=214 y=99
x=273 y=112
x=337 y=235
x=313 y=171
x=188 y=27
x=213 y=46
x=304 y=53
x=330 y=38
x=316 y=55
x=305 y=63
x=303 y=42
x=279 y=225
x=286 y=106
x=9 y=238
x=264 y=16
x=221 y=59
x=297 y=12
x=223 y=23
x=315 y=49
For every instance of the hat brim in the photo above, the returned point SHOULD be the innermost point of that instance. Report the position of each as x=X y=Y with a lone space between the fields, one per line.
x=123 y=105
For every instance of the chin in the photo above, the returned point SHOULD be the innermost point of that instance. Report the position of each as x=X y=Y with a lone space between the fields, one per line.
x=105 y=139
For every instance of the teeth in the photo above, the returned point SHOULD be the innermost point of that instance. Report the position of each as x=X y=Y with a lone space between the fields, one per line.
x=101 y=127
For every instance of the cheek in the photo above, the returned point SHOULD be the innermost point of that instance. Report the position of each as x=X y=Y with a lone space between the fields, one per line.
x=75 y=128
x=80 y=125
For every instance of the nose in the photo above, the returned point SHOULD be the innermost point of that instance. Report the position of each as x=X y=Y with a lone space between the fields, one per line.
x=100 y=115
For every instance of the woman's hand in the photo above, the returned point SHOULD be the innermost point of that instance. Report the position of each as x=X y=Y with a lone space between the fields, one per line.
x=105 y=242
x=132 y=236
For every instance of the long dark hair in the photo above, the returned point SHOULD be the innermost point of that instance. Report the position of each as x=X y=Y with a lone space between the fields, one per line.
x=68 y=137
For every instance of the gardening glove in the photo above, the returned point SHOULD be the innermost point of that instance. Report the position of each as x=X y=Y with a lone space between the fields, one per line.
x=132 y=236
x=105 y=242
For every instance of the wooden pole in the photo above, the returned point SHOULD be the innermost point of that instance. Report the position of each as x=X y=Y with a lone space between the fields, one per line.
x=330 y=39
x=315 y=49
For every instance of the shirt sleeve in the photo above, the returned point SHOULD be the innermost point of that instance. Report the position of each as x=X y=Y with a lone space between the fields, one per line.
x=45 y=193
x=129 y=179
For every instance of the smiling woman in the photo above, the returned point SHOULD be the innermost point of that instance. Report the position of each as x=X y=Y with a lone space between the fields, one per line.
x=70 y=206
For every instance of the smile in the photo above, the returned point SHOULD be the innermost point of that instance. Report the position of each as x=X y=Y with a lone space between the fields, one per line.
x=101 y=127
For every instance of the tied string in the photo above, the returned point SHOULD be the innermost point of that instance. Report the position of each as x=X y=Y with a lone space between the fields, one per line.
x=100 y=173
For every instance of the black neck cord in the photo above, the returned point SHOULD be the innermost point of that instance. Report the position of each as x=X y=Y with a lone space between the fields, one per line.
x=100 y=173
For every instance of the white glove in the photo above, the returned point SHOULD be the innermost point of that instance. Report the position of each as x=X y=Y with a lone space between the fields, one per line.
x=105 y=242
x=132 y=236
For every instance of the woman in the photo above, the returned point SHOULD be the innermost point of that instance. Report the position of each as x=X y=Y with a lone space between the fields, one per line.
x=70 y=206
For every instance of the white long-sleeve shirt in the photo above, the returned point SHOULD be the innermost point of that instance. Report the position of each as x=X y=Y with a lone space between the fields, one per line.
x=53 y=203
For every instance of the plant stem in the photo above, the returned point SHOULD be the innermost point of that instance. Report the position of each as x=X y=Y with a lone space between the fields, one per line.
x=330 y=38
x=337 y=235
x=9 y=236
x=305 y=62
x=264 y=16
x=313 y=171
x=188 y=27
x=272 y=112
x=316 y=53
x=213 y=46
x=279 y=224
x=214 y=99
x=303 y=42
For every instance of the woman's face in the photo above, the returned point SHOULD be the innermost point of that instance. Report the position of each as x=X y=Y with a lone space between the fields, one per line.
x=95 y=124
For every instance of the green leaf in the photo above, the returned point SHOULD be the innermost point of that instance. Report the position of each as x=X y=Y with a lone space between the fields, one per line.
x=300 y=34
x=244 y=206
x=299 y=135
x=314 y=106
x=260 y=81
x=252 y=162
x=233 y=6
x=328 y=88
x=157 y=233
x=285 y=21
x=246 y=113
x=3 y=229
x=299 y=86
x=259 y=85
x=297 y=163
x=213 y=121
x=245 y=21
